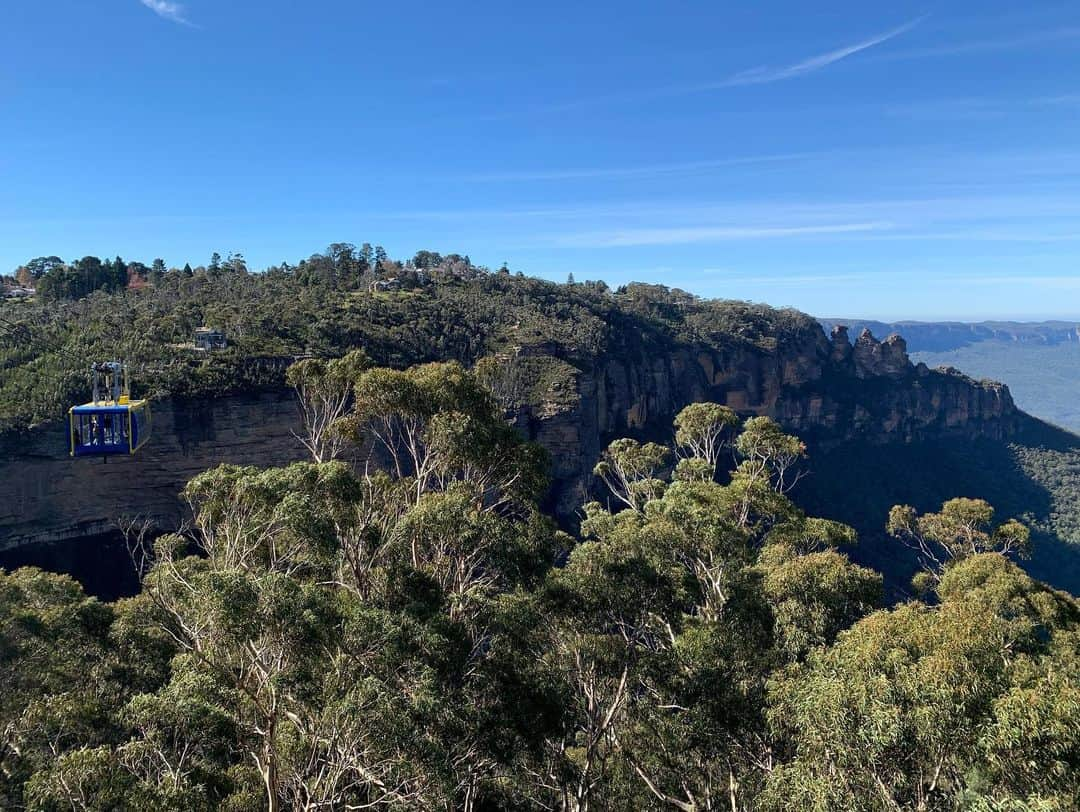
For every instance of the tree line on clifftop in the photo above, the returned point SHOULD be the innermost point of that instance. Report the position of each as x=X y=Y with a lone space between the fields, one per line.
x=418 y=635
x=433 y=307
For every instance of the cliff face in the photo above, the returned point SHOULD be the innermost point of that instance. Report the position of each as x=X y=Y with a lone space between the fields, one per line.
x=943 y=336
x=826 y=390
x=45 y=495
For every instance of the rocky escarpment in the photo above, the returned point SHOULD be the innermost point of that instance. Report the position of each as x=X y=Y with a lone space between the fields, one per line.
x=828 y=390
x=951 y=335
x=872 y=390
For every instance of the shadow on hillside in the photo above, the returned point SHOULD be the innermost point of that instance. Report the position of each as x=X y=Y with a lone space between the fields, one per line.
x=100 y=563
x=858 y=482
x=193 y=422
x=1039 y=433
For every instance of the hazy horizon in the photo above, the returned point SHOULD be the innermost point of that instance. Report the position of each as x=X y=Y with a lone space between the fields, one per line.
x=1064 y=320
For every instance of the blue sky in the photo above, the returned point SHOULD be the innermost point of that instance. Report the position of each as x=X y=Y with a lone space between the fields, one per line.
x=901 y=160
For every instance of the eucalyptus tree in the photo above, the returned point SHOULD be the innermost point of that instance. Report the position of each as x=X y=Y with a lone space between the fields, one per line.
x=436 y=424
x=56 y=669
x=672 y=613
x=631 y=471
x=703 y=431
x=324 y=391
x=352 y=638
x=770 y=453
x=934 y=707
x=963 y=528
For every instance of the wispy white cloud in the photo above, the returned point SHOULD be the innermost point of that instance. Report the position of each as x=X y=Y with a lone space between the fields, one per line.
x=989 y=220
x=169 y=10
x=753 y=76
x=699 y=234
x=600 y=173
x=763 y=75
x=1026 y=40
x=1057 y=210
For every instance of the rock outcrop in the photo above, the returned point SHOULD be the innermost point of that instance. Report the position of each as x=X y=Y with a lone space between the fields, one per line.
x=944 y=336
x=826 y=390
x=875 y=358
x=841 y=346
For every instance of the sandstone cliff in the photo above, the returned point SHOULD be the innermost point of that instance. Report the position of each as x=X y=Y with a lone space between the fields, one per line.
x=827 y=390
x=45 y=495
x=943 y=336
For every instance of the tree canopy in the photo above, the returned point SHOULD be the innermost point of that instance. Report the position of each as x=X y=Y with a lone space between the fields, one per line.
x=435 y=307
x=400 y=627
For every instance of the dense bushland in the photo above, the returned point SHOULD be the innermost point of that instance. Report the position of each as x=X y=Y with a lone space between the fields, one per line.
x=432 y=308
x=422 y=637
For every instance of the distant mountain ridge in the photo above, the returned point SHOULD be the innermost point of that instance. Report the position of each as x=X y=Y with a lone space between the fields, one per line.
x=931 y=336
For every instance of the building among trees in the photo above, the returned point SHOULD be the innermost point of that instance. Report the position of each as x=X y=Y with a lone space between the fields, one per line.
x=210 y=338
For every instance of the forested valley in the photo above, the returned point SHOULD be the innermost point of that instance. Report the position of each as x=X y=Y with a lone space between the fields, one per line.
x=397 y=623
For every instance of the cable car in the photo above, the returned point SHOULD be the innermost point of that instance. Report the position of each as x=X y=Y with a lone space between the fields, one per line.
x=112 y=423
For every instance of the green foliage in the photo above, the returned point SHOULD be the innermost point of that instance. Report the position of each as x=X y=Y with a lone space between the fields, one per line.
x=324 y=389
x=704 y=430
x=1053 y=464
x=961 y=529
x=768 y=451
x=89 y=778
x=421 y=637
x=630 y=470
x=437 y=423
x=60 y=675
x=815 y=596
x=342 y=640
x=906 y=708
x=324 y=306
x=1033 y=478
x=541 y=381
x=81 y=278
x=673 y=614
